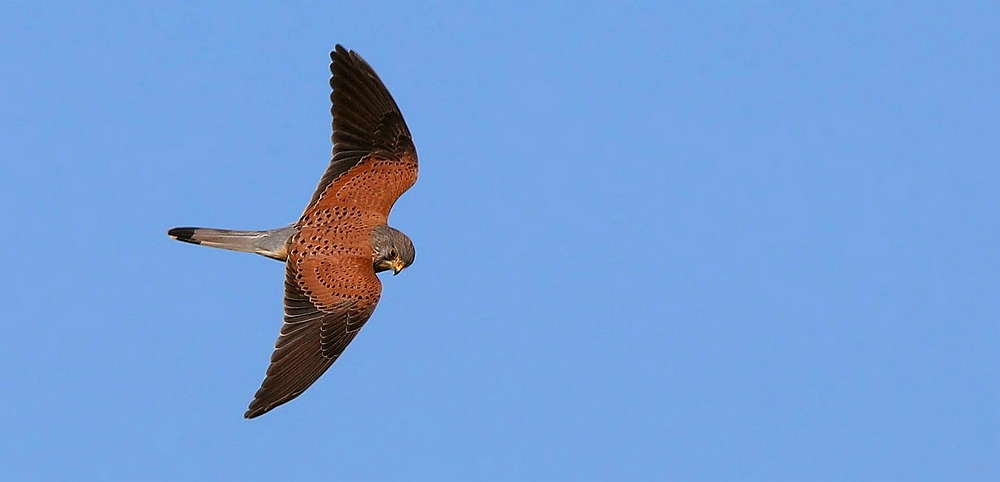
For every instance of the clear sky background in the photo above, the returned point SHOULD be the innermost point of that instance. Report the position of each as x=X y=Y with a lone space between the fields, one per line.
x=695 y=241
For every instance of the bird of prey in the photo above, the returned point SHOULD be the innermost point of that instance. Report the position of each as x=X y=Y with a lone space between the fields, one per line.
x=333 y=252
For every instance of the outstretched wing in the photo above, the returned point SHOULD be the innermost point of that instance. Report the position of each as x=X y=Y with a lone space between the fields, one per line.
x=330 y=284
x=366 y=120
x=326 y=303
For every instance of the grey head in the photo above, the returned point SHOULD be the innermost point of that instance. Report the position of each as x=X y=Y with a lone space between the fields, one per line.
x=393 y=249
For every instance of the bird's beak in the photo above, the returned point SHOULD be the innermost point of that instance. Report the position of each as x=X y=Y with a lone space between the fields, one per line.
x=397 y=266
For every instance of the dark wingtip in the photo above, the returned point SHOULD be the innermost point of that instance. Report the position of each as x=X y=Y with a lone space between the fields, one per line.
x=183 y=234
x=255 y=410
x=340 y=51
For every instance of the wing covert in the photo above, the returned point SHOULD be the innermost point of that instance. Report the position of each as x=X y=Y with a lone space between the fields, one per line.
x=366 y=119
x=313 y=336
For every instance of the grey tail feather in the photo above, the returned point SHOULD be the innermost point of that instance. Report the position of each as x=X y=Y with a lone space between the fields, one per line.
x=271 y=243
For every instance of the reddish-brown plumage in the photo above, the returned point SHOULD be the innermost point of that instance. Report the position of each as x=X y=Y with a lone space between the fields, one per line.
x=331 y=288
x=331 y=254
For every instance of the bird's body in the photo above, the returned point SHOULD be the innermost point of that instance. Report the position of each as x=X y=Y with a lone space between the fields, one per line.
x=333 y=252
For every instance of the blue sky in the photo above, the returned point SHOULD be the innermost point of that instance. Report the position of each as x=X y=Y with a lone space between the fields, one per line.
x=695 y=241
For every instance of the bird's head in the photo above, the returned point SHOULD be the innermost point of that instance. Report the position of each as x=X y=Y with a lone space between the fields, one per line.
x=392 y=249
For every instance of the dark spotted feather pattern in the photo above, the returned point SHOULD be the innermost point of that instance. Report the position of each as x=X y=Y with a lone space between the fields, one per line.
x=366 y=120
x=310 y=341
x=330 y=284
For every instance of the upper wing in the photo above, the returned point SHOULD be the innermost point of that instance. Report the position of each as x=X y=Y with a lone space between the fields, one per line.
x=330 y=284
x=366 y=120
x=326 y=302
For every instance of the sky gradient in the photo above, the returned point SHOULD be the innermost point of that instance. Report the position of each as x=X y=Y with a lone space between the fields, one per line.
x=696 y=241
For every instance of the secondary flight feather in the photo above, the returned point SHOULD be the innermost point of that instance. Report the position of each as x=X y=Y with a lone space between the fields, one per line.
x=333 y=252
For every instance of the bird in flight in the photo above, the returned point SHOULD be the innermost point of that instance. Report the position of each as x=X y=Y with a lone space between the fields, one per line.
x=333 y=252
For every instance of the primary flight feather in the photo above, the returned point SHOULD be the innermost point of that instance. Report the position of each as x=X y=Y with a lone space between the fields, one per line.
x=333 y=252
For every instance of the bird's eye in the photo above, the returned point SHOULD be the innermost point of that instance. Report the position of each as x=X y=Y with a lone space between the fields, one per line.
x=392 y=253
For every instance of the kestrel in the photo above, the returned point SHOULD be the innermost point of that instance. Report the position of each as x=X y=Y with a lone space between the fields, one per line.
x=334 y=251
